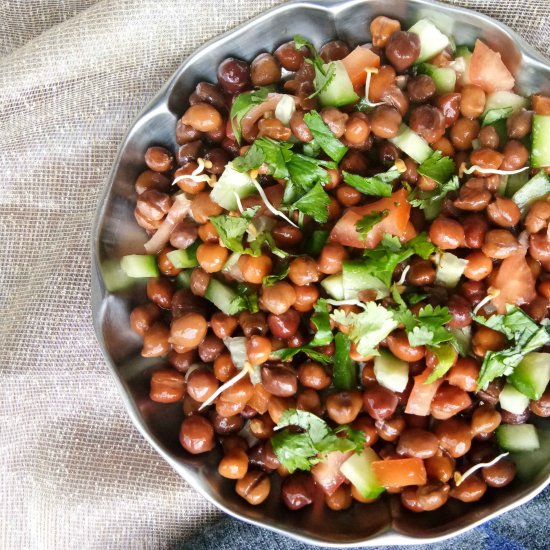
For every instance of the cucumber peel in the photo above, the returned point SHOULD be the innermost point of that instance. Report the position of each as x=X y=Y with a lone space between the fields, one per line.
x=140 y=266
x=339 y=91
x=532 y=375
x=358 y=470
x=432 y=40
x=517 y=437
x=540 y=139
x=412 y=144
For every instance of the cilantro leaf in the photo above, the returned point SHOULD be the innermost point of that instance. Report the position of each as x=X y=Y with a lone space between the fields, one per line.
x=269 y=151
x=321 y=321
x=515 y=321
x=316 y=427
x=270 y=280
x=378 y=186
x=437 y=167
x=368 y=328
x=446 y=356
x=242 y=104
x=493 y=115
x=433 y=199
x=315 y=242
x=231 y=229
x=314 y=203
x=421 y=246
x=285 y=354
x=367 y=222
x=305 y=172
x=294 y=451
x=344 y=370
x=324 y=137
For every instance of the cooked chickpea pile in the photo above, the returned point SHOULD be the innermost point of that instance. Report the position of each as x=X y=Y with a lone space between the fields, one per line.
x=506 y=248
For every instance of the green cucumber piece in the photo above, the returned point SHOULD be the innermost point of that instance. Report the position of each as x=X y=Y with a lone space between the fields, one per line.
x=517 y=437
x=512 y=400
x=432 y=40
x=232 y=181
x=334 y=286
x=358 y=470
x=449 y=270
x=183 y=280
x=344 y=370
x=532 y=375
x=356 y=278
x=532 y=463
x=315 y=242
x=184 y=258
x=514 y=182
x=231 y=261
x=139 y=266
x=391 y=372
x=505 y=100
x=444 y=77
x=340 y=90
x=466 y=54
x=412 y=144
x=540 y=139
x=114 y=278
x=221 y=296
x=536 y=188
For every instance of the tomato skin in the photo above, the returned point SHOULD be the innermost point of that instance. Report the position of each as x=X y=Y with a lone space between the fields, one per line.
x=357 y=61
x=327 y=473
x=488 y=71
x=515 y=281
x=421 y=397
x=395 y=223
x=400 y=472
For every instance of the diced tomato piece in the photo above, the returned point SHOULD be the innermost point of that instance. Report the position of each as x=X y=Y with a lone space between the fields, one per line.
x=422 y=394
x=488 y=71
x=260 y=399
x=400 y=472
x=516 y=282
x=408 y=233
x=395 y=223
x=357 y=61
x=327 y=473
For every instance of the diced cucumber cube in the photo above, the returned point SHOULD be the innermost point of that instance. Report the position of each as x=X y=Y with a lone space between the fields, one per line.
x=221 y=296
x=532 y=375
x=444 y=77
x=184 y=258
x=536 y=188
x=391 y=372
x=114 y=277
x=512 y=400
x=412 y=144
x=432 y=40
x=140 y=265
x=540 y=139
x=517 y=437
x=356 y=278
x=340 y=90
x=358 y=470
x=514 y=182
x=334 y=286
x=232 y=182
x=503 y=100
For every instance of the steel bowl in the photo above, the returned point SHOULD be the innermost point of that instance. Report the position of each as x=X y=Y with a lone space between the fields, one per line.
x=116 y=233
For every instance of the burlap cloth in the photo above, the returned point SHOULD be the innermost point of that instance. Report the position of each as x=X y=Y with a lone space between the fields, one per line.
x=74 y=472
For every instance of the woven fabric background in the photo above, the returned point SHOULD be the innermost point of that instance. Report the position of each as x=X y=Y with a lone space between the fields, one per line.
x=74 y=471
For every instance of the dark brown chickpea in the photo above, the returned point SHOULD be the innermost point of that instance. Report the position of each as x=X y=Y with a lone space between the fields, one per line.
x=446 y=233
x=200 y=279
x=286 y=235
x=421 y=273
x=278 y=298
x=428 y=122
x=206 y=92
x=258 y=349
x=297 y=490
x=411 y=173
x=219 y=158
x=478 y=267
x=289 y=57
x=299 y=128
x=459 y=308
x=254 y=487
x=355 y=162
x=449 y=105
x=224 y=369
x=417 y=443
x=425 y=498
x=488 y=137
x=253 y=323
x=233 y=75
x=303 y=271
x=185 y=133
x=183 y=235
x=398 y=343
x=515 y=154
x=285 y=325
x=500 y=244
x=395 y=97
x=473 y=291
x=511 y=418
x=152 y=180
x=455 y=436
x=143 y=318
x=470 y=490
x=420 y=88
x=344 y=406
x=224 y=425
x=439 y=468
x=165 y=265
x=385 y=121
x=472 y=101
x=379 y=402
x=518 y=125
x=255 y=268
x=160 y=292
x=265 y=70
x=167 y=386
x=340 y=499
x=541 y=407
x=500 y=474
x=234 y=464
x=313 y=375
x=188 y=331
x=210 y=348
x=159 y=159
x=475 y=228
x=306 y=297
x=153 y=205
x=402 y=49
x=464 y=374
x=279 y=381
x=388 y=153
x=449 y=401
x=334 y=51
x=504 y=212
x=309 y=400
x=463 y=133
x=182 y=361
x=391 y=428
x=348 y=196
x=188 y=152
x=197 y=435
x=203 y=207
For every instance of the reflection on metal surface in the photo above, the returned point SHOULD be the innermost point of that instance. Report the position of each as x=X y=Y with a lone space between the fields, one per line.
x=116 y=233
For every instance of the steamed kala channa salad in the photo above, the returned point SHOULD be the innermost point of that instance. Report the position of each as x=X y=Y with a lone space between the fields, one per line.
x=348 y=270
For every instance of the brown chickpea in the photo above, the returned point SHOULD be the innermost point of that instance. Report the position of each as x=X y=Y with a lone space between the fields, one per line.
x=297 y=490
x=289 y=57
x=475 y=228
x=207 y=233
x=306 y=297
x=203 y=117
x=486 y=339
x=159 y=159
x=439 y=468
x=538 y=216
x=303 y=271
x=201 y=384
x=500 y=474
x=229 y=408
x=143 y=318
x=470 y=490
x=335 y=120
x=395 y=97
x=224 y=369
x=421 y=273
x=299 y=128
x=446 y=233
x=541 y=104
x=258 y=349
x=156 y=341
x=543 y=288
x=223 y=325
x=188 y=185
x=340 y=499
x=212 y=257
x=459 y=308
x=449 y=105
x=515 y=154
x=402 y=49
x=539 y=247
x=165 y=265
x=199 y=282
x=348 y=196
x=391 y=428
x=411 y=173
x=203 y=207
x=385 y=121
x=381 y=29
x=425 y=498
x=279 y=381
x=472 y=199
x=234 y=464
x=226 y=425
x=445 y=146
x=518 y=125
x=500 y=244
x=253 y=323
x=485 y=420
x=398 y=342
x=182 y=361
x=449 y=401
x=167 y=386
x=278 y=298
x=277 y=406
x=313 y=375
x=186 y=134
x=379 y=402
x=464 y=374
x=484 y=157
x=541 y=407
x=472 y=101
x=420 y=88
x=196 y=435
x=261 y=427
x=255 y=268
x=504 y=212
x=479 y=266
x=274 y=129
x=210 y=348
x=334 y=51
x=152 y=180
x=153 y=205
x=233 y=441
x=511 y=418
x=357 y=129
x=428 y=122
x=309 y=400
x=454 y=436
x=463 y=133
x=189 y=152
x=381 y=81
x=254 y=487
x=344 y=406
x=331 y=258
x=265 y=70
x=239 y=393
x=286 y=235
x=183 y=235
x=285 y=325
x=188 y=330
x=488 y=137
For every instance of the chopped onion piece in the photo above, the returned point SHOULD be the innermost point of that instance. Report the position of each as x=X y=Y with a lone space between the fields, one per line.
x=285 y=109
x=269 y=206
x=458 y=65
x=176 y=214
x=350 y=302
x=463 y=170
x=459 y=478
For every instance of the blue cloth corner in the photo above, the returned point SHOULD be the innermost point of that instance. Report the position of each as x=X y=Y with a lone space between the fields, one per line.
x=525 y=528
